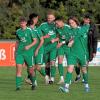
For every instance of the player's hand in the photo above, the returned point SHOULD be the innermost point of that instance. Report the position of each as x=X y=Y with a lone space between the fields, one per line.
x=46 y=36
x=53 y=40
x=71 y=42
x=27 y=47
x=94 y=54
x=59 y=45
x=36 y=52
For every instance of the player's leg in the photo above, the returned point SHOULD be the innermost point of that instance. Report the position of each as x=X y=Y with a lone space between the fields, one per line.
x=46 y=59
x=39 y=63
x=85 y=73
x=19 y=64
x=71 y=61
x=47 y=68
x=27 y=79
x=77 y=70
x=52 y=64
x=30 y=63
x=60 y=65
x=68 y=79
x=85 y=77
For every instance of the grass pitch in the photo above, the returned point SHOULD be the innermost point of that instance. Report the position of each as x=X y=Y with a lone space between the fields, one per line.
x=47 y=92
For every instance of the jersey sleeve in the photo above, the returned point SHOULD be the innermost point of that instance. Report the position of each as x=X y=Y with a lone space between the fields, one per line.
x=40 y=33
x=33 y=35
x=84 y=29
x=17 y=38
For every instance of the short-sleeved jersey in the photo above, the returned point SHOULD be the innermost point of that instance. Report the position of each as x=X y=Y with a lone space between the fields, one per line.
x=80 y=40
x=24 y=38
x=49 y=29
x=63 y=33
x=64 y=36
x=38 y=34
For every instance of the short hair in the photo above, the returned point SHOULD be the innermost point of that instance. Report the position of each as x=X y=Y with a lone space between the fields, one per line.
x=74 y=18
x=33 y=15
x=22 y=19
x=30 y=22
x=59 y=18
x=51 y=12
x=87 y=16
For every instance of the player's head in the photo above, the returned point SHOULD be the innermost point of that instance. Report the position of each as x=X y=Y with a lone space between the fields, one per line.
x=50 y=17
x=59 y=22
x=86 y=19
x=23 y=22
x=73 y=22
x=33 y=17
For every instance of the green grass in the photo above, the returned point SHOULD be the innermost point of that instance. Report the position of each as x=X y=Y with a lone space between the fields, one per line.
x=49 y=92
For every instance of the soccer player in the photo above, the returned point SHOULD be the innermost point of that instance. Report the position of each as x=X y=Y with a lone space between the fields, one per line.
x=50 y=42
x=38 y=49
x=78 y=53
x=92 y=42
x=24 y=49
x=63 y=50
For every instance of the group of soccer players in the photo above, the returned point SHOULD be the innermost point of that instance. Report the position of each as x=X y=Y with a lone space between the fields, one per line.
x=53 y=39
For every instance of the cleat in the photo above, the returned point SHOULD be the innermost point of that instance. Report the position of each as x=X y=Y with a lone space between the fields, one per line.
x=27 y=80
x=51 y=82
x=17 y=89
x=64 y=89
x=60 y=82
x=35 y=83
x=77 y=79
x=33 y=87
x=87 y=89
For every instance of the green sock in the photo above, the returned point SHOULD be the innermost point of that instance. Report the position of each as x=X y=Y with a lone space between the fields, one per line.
x=32 y=78
x=85 y=77
x=68 y=77
x=18 y=81
x=53 y=71
x=61 y=69
x=42 y=71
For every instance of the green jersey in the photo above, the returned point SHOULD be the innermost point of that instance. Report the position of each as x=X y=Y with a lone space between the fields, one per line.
x=63 y=33
x=38 y=34
x=64 y=37
x=84 y=37
x=79 y=35
x=49 y=29
x=25 y=38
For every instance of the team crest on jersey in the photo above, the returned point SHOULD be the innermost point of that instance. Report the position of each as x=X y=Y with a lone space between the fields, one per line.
x=23 y=39
x=51 y=33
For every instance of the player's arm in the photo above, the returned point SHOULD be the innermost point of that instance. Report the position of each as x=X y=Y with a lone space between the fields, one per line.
x=33 y=36
x=55 y=40
x=46 y=36
x=31 y=45
x=39 y=46
x=17 y=42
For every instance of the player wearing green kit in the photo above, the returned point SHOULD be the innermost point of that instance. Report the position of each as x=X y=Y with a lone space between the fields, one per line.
x=92 y=42
x=38 y=49
x=24 y=50
x=49 y=32
x=78 y=53
x=63 y=50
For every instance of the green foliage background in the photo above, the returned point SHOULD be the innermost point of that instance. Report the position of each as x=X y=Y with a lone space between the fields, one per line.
x=11 y=10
